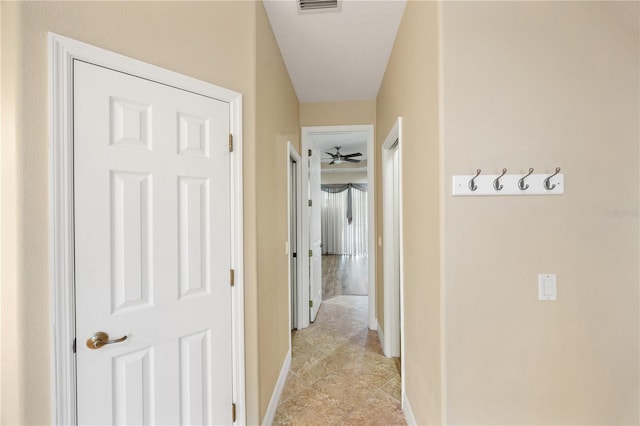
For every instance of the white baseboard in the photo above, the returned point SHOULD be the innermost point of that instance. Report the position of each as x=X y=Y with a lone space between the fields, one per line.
x=381 y=337
x=373 y=325
x=408 y=413
x=270 y=415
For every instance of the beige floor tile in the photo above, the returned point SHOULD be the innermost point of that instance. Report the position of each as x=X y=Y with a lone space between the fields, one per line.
x=344 y=395
x=379 y=409
x=292 y=387
x=304 y=360
x=393 y=388
x=311 y=407
x=339 y=374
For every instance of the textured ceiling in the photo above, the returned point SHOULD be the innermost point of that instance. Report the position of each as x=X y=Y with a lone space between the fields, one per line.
x=336 y=56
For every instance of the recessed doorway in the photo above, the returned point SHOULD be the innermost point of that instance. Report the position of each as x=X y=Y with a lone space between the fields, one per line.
x=344 y=204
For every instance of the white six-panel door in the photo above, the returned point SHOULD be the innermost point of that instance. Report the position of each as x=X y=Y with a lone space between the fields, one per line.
x=152 y=238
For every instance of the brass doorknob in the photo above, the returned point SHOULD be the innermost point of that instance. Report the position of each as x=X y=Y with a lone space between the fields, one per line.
x=100 y=339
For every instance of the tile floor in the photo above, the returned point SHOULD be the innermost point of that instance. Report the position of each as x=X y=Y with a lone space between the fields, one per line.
x=339 y=375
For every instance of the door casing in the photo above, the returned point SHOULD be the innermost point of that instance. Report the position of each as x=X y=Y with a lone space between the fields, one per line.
x=295 y=241
x=62 y=52
x=393 y=337
x=307 y=133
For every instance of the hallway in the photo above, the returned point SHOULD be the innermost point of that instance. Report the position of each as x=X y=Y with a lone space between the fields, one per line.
x=338 y=372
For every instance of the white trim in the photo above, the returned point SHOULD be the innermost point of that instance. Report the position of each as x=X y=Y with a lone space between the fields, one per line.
x=63 y=397
x=270 y=414
x=307 y=132
x=62 y=52
x=292 y=155
x=390 y=346
x=237 y=255
x=393 y=296
x=371 y=206
x=408 y=412
x=401 y=243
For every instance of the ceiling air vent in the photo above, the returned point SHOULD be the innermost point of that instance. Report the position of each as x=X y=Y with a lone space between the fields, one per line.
x=318 y=5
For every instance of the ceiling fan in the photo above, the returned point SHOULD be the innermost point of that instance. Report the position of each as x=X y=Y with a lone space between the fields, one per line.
x=337 y=158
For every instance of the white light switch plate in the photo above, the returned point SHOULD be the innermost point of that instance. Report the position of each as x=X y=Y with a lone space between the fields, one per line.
x=547 y=287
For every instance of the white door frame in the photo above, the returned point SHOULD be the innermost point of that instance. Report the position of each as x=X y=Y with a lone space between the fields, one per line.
x=62 y=52
x=292 y=155
x=307 y=133
x=393 y=344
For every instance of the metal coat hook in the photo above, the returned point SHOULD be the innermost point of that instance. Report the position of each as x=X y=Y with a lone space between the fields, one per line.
x=472 y=183
x=496 y=183
x=521 y=184
x=547 y=184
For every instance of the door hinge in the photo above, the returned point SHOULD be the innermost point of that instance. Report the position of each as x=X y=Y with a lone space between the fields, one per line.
x=230 y=142
x=233 y=412
x=310 y=203
x=232 y=277
x=310 y=253
x=311 y=303
x=74 y=345
x=309 y=153
x=295 y=254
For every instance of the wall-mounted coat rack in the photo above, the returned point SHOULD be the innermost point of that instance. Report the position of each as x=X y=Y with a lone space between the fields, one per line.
x=509 y=184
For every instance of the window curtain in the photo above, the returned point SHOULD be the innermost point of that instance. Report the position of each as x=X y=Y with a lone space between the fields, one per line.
x=344 y=219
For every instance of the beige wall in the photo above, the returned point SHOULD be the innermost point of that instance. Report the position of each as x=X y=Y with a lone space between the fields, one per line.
x=329 y=178
x=410 y=90
x=337 y=113
x=277 y=122
x=542 y=84
x=538 y=84
x=190 y=38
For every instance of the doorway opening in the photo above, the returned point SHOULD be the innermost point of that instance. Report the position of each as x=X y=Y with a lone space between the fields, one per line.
x=338 y=349
x=344 y=233
x=339 y=222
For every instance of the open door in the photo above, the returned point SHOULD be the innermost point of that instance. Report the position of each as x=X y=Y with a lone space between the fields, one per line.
x=315 y=233
x=311 y=250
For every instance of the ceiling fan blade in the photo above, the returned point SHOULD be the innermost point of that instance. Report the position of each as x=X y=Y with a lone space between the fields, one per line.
x=352 y=160
x=332 y=162
x=357 y=154
x=331 y=154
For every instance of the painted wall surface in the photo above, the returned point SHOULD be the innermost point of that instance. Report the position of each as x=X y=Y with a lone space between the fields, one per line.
x=277 y=121
x=212 y=41
x=337 y=113
x=328 y=178
x=542 y=84
x=410 y=90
